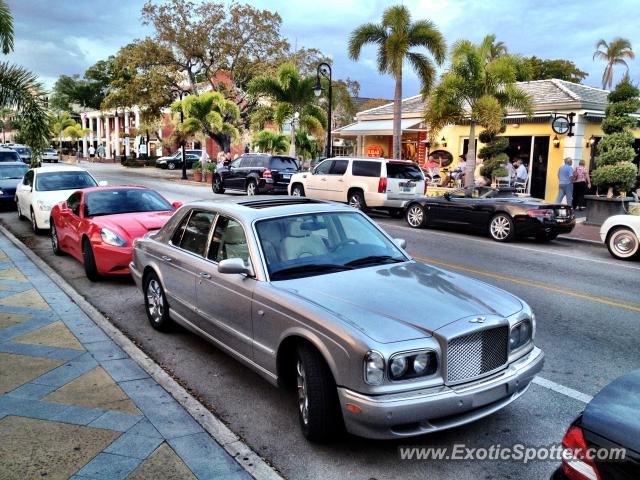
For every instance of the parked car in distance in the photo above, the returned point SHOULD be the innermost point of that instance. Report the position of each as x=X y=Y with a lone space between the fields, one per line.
x=609 y=422
x=24 y=152
x=43 y=187
x=174 y=160
x=502 y=214
x=255 y=173
x=362 y=183
x=9 y=155
x=98 y=226
x=315 y=295
x=50 y=155
x=621 y=235
x=11 y=174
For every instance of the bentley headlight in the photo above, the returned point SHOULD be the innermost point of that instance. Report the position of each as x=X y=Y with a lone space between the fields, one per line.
x=111 y=238
x=521 y=334
x=405 y=366
x=373 y=368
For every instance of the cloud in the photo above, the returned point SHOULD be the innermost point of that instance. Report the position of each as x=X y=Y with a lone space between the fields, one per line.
x=66 y=37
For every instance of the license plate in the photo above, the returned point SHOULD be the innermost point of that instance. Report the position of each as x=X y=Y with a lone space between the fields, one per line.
x=407 y=190
x=562 y=212
x=286 y=175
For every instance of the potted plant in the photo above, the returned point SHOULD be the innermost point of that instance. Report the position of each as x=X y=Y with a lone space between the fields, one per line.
x=210 y=168
x=615 y=171
x=197 y=171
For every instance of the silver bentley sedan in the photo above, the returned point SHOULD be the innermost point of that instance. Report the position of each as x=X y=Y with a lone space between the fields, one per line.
x=315 y=296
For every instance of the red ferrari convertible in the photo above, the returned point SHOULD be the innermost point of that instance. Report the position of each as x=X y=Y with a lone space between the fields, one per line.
x=98 y=226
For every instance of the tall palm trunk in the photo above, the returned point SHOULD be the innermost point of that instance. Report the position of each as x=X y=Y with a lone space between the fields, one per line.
x=471 y=157
x=292 y=145
x=397 y=117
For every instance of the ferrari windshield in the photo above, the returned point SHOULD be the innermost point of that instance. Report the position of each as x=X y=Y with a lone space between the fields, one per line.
x=318 y=243
x=12 y=171
x=124 y=200
x=71 y=180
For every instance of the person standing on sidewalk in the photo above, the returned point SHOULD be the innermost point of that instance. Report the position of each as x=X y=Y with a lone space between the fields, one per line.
x=580 y=186
x=565 y=182
x=92 y=151
x=101 y=151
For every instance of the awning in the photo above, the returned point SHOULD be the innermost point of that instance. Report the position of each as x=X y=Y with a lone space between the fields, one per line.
x=378 y=127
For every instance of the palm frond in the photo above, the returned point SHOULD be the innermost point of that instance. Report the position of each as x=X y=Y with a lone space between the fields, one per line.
x=6 y=28
x=424 y=68
x=424 y=33
x=367 y=33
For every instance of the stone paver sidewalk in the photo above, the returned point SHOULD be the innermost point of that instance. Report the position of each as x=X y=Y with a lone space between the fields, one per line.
x=74 y=405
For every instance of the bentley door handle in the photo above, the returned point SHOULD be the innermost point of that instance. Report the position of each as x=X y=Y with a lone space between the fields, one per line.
x=205 y=275
x=167 y=259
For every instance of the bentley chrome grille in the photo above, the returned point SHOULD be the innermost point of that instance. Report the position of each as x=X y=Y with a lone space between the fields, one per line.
x=477 y=353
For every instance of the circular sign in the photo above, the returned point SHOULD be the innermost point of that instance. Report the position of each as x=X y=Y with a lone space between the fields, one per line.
x=560 y=125
x=374 y=151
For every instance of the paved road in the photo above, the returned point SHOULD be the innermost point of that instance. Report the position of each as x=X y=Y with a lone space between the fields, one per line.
x=588 y=310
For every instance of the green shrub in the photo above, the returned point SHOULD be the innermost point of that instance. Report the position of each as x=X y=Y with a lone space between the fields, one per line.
x=621 y=176
x=197 y=165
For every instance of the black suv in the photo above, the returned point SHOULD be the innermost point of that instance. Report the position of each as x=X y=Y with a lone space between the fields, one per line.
x=256 y=173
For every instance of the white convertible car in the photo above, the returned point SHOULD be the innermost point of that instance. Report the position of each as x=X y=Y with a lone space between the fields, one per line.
x=621 y=234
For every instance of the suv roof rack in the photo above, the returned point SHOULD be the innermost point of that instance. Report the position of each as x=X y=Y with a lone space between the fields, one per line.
x=278 y=202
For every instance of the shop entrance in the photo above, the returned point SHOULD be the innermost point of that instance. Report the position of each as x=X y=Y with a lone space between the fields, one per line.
x=534 y=153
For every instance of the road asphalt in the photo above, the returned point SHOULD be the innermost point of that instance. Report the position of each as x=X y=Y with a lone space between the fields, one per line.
x=587 y=306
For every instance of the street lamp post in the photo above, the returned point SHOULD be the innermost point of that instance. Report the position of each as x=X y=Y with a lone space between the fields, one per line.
x=184 y=160
x=324 y=69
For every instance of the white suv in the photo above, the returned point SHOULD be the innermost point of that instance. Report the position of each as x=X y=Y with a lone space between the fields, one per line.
x=362 y=182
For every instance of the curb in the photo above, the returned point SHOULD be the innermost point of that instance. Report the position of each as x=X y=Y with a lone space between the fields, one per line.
x=249 y=460
x=578 y=240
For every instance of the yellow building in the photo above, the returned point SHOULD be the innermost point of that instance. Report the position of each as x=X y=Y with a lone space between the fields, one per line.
x=533 y=139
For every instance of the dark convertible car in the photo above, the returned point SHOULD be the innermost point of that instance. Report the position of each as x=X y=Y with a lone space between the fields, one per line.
x=503 y=214
x=603 y=443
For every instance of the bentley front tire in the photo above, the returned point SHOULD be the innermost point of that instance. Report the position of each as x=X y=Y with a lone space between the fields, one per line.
x=318 y=406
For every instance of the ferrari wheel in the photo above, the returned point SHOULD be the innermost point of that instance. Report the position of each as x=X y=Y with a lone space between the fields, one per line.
x=89 y=261
x=55 y=243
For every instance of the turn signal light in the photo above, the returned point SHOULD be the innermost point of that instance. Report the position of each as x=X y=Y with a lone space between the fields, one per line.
x=540 y=212
x=577 y=464
x=382 y=185
x=266 y=173
x=353 y=408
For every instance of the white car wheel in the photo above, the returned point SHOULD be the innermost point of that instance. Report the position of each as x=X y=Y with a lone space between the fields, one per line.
x=623 y=243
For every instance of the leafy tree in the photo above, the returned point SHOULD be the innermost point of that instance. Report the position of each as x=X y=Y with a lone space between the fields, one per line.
x=395 y=38
x=613 y=53
x=493 y=153
x=307 y=146
x=294 y=101
x=541 y=69
x=207 y=115
x=476 y=90
x=270 y=141
x=76 y=132
x=71 y=92
x=615 y=169
x=21 y=92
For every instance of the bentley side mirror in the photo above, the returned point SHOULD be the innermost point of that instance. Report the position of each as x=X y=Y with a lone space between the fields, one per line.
x=176 y=205
x=234 y=266
x=401 y=242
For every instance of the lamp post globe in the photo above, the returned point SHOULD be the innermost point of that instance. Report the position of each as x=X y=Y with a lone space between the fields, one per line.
x=324 y=69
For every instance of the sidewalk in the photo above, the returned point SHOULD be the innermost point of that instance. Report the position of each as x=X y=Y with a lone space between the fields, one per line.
x=584 y=233
x=74 y=405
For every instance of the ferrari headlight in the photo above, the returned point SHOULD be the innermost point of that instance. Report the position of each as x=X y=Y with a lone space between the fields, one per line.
x=42 y=205
x=111 y=238
x=520 y=335
x=373 y=368
x=405 y=366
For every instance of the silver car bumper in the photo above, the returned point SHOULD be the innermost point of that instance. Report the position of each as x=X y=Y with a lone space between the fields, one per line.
x=137 y=275
x=424 y=411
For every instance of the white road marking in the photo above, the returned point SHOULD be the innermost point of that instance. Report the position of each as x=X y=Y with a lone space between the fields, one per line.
x=518 y=247
x=569 y=392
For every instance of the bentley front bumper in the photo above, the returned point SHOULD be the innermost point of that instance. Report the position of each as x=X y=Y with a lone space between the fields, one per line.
x=429 y=410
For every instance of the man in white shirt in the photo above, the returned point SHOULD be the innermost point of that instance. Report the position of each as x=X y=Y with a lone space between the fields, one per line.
x=92 y=151
x=521 y=172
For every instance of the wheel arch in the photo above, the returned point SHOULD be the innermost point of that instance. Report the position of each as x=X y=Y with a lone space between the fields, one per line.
x=286 y=354
x=355 y=188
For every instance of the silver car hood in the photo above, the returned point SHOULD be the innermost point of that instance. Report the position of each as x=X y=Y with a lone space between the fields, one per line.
x=393 y=303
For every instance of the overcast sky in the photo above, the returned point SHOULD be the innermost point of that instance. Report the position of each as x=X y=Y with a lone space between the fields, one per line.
x=55 y=37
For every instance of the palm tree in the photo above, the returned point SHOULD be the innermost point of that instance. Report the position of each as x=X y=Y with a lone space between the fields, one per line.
x=614 y=54
x=295 y=102
x=60 y=122
x=76 y=132
x=476 y=90
x=21 y=92
x=207 y=115
x=395 y=37
x=271 y=142
x=494 y=49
